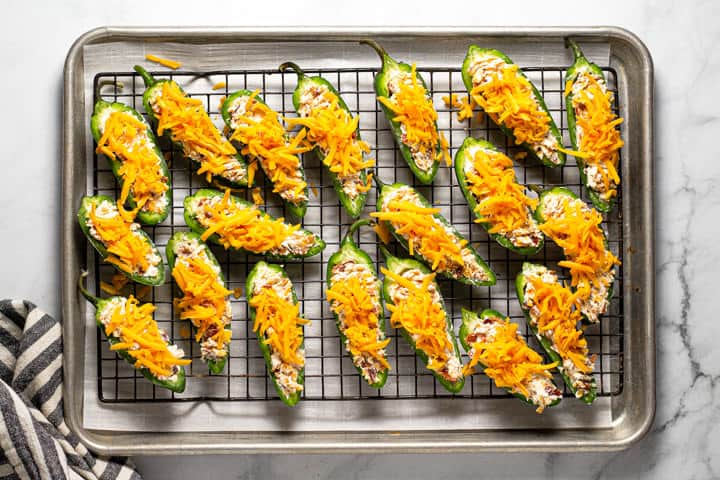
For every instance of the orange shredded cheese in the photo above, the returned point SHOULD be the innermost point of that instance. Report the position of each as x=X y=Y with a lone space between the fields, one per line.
x=242 y=227
x=190 y=125
x=520 y=155
x=413 y=108
x=557 y=314
x=237 y=292
x=163 y=61
x=451 y=101
x=419 y=315
x=508 y=99
x=508 y=360
x=125 y=140
x=219 y=85
x=382 y=231
x=141 y=337
x=600 y=140
x=205 y=300
x=265 y=139
x=109 y=289
x=144 y=291
x=349 y=299
x=314 y=190
x=283 y=316
x=428 y=235
x=501 y=200
x=466 y=109
x=128 y=250
x=257 y=196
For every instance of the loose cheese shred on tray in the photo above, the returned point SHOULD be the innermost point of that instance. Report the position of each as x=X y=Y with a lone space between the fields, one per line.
x=422 y=318
x=191 y=126
x=428 y=236
x=125 y=139
x=501 y=200
x=451 y=101
x=141 y=338
x=508 y=360
x=278 y=321
x=205 y=299
x=508 y=98
x=382 y=231
x=350 y=298
x=219 y=85
x=242 y=227
x=466 y=109
x=414 y=110
x=558 y=318
x=257 y=196
x=163 y=61
x=264 y=138
x=600 y=140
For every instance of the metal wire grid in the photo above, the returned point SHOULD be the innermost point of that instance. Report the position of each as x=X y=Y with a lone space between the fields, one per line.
x=329 y=372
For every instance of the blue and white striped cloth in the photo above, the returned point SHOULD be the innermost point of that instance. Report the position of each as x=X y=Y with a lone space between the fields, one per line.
x=35 y=442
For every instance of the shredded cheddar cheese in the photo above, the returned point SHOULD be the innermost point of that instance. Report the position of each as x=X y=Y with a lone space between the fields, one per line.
x=350 y=300
x=219 y=85
x=191 y=126
x=451 y=101
x=501 y=200
x=205 y=300
x=508 y=360
x=163 y=61
x=414 y=110
x=140 y=336
x=125 y=140
x=466 y=109
x=257 y=196
x=599 y=137
x=423 y=319
x=382 y=231
x=242 y=227
x=278 y=321
x=508 y=98
x=265 y=139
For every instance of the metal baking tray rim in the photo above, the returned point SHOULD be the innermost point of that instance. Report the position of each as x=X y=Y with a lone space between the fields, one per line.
x=628 y=428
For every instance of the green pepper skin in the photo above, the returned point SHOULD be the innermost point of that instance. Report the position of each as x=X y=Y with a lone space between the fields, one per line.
x=297 y=210
x=473 y=52
x=249 y=288
x=581 y=65
x=215 y=366
x=388 y=67
x=82 y=216
x=350 y=251
x=399 y=266
x=541 y=219
x=353 y=206
x=177 y=385
x=195 y=226
x=460 y=159
x=468 y=318
x=520 y=282
x=102 y=109
x=151 y=86
x=386 y=189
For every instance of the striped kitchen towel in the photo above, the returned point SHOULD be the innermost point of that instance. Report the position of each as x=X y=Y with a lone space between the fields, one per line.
x=35 y=443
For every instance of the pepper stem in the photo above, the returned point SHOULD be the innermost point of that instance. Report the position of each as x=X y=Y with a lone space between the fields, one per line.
x=386 y=253
x=534 y=187
x=353 y=228
x=577 y=53
x=378 y=183
x=294 y=67
x=85 y=293
x=382 y=53
x=147 y=78
x=105 y=83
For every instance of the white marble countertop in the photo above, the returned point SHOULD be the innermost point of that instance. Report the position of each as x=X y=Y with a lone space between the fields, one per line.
x=683 y=39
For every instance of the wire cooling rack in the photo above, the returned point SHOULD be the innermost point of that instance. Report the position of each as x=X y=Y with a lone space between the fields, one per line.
x=329 y=372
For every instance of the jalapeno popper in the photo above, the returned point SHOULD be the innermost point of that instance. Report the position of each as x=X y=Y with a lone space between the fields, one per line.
x=335 y=135
x=594 y=129
x=275 y=315
x=355 y=299
x=134 y=335
x=492 y=341
x=239 y=225
x=127 y=140
x=185 y=121
x=121 y=243
x=428 y=236
x=205 y=301
x=487 y=179
x=551 y=314
x=418 y=310
x=408 y=107
x=503 y=91
x=575 y=227
x=262 y=138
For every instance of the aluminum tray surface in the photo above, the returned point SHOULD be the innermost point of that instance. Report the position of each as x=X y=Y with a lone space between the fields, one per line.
x=119 y=410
